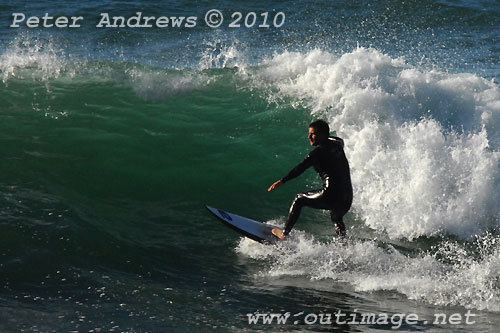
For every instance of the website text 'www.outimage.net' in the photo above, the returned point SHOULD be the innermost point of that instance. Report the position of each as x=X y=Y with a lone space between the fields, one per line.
x=339 y=317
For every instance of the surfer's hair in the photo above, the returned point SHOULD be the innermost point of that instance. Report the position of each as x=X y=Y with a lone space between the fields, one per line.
x=321 y=126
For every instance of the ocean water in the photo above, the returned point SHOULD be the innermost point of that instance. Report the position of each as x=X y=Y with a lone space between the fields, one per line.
x=113 y=139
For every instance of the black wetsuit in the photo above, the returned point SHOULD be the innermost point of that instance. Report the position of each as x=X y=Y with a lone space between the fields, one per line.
x=330 y=162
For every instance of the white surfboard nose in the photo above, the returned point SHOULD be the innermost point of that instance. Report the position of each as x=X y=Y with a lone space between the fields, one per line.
x=255 y=230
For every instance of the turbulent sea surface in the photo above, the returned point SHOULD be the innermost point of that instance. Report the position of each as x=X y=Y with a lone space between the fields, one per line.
x=112 y=140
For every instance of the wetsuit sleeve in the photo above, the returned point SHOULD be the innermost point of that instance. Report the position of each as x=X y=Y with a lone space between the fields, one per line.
x=302 y=166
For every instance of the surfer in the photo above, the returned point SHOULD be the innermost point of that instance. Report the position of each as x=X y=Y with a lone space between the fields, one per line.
x=330 y=162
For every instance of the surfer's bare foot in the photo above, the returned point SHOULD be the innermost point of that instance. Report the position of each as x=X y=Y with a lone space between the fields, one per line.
x=278 y=233
x=340 y=238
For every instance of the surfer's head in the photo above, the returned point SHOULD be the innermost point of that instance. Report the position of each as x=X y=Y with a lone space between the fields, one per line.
x=319 y=131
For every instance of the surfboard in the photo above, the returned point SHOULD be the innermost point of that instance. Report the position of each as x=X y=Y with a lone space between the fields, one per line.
x=255 y=230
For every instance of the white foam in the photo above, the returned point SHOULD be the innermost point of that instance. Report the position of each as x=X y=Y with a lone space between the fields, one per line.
x=446 y=276
x=423 y=144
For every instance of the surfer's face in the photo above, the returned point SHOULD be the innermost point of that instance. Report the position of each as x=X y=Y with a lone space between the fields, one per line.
x=315 y=137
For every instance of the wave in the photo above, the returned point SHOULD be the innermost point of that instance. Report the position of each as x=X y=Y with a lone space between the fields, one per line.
x=423 y=144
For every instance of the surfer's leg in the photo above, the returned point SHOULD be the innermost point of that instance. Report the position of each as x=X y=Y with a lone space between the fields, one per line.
x=337 y=213
x=313 y=199
x=338 y=221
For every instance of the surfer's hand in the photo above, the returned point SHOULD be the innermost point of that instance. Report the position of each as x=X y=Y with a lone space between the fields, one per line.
x=275 y=185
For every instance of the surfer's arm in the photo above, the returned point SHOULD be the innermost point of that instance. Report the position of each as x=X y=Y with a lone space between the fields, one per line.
x=297 y=171
x=301 y=167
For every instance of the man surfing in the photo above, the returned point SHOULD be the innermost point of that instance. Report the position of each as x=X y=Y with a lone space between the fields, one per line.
x=330 y=162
